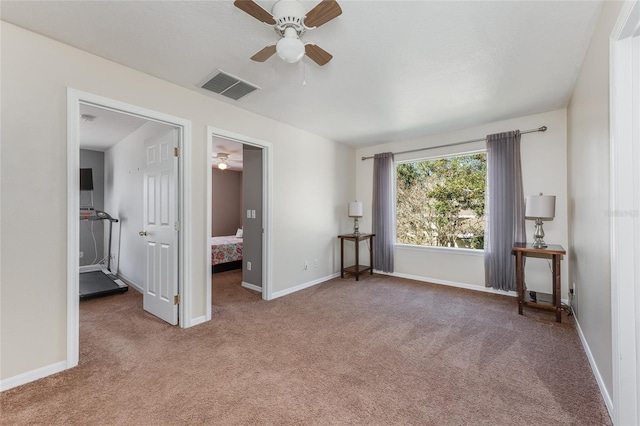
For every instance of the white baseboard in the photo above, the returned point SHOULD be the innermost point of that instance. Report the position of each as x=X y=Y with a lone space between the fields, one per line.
x=594 y=368
x=252 y=287
x=455 y=284
x=130 y=283
x=303 y=286
x=449 y=283
x=31 y=376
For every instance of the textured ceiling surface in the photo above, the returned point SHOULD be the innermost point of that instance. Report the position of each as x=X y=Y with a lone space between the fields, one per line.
x=401 y=69
x=106 y=127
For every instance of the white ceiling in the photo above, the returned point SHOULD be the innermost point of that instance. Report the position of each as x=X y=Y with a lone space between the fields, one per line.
x=401 y=69
x=234 y=151
x=101 y=128
x=106 y=129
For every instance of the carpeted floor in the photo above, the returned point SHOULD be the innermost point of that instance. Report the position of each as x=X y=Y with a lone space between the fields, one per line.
x=381 y=351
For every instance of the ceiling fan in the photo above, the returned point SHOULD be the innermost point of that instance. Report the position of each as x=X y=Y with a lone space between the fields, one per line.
x=289 y=19
x=223 y=157
x=226 y=156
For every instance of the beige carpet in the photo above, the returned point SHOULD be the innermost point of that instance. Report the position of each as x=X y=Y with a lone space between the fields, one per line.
x=380 y=351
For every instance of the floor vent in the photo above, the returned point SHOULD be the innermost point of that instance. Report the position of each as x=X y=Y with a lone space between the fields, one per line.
x=228 y=85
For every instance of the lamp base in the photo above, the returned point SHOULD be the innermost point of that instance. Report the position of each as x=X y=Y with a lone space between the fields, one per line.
x=538 y=235
x=539 y=244
x=356 y=229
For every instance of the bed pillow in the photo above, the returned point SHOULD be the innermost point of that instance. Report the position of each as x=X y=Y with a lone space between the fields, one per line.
x=239 y=233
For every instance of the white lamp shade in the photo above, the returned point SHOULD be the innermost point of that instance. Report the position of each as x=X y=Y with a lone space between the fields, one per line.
x=540 y=206
x=355 y=209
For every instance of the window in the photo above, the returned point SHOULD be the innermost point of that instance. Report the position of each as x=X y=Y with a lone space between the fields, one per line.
x=440 y=202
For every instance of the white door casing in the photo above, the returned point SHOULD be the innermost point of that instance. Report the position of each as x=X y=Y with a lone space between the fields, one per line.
x=267 y=207
x=160 y=231
x=74 y=99
x=625 y=213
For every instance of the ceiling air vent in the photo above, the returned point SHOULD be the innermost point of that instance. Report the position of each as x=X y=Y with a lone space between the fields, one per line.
x=228 y=85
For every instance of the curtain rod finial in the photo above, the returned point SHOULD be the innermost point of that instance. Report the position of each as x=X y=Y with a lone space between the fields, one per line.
x=542 y=129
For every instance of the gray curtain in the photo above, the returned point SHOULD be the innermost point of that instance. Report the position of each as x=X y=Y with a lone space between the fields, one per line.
x=384 y=220
x=504 y=209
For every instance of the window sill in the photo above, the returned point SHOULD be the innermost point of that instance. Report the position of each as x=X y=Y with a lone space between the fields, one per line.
x=447 y=250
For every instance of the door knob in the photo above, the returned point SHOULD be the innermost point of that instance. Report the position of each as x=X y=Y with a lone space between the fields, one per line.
x=142 y=233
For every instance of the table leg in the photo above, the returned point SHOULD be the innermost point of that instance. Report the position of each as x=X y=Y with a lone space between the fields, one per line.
x=371 y=255
x=557 y=287
x=357 y=259
x=341 y=257
x=520 y=281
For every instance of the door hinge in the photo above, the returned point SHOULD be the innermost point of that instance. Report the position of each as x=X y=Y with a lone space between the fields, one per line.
x=176 y=152
x=177 y=226
x=176 y=299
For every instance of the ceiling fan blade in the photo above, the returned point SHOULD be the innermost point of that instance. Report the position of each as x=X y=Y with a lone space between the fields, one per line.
x=264 y=54
x=317 y=54
x=255 y=10
x=324 y=11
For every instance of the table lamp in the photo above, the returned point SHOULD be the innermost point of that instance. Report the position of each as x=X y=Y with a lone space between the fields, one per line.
x=540 y=207
x=355 y=211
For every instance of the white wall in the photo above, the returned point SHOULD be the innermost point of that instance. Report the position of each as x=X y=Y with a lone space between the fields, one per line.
x=543 y=170
x=309 y=171
x=588 y=168
x=124 y=189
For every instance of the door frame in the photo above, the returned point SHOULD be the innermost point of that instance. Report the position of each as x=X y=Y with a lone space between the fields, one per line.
x=267 y=191
x=624 y=74
x=74 y=99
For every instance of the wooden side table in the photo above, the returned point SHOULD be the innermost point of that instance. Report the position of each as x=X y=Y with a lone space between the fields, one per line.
x=555 y=252
x=356 y=269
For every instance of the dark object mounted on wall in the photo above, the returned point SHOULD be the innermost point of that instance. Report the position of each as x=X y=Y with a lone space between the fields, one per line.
x=86 y=179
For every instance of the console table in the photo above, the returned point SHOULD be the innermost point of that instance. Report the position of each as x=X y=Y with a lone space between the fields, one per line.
x=356 y=269
x=555 y=252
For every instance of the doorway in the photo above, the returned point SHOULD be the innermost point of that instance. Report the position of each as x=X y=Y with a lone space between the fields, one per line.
x=181 y=194
x=255 y=207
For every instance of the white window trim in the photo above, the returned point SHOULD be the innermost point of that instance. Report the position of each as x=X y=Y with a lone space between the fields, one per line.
x=449 y=250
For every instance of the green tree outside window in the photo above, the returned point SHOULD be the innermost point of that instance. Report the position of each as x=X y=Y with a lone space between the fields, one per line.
x=441 y=202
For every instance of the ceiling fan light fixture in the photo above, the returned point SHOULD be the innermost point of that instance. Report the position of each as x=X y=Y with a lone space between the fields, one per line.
x=290 y=49
x=223 y=157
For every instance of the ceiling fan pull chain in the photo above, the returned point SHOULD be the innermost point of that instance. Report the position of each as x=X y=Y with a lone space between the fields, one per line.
x=304 y=72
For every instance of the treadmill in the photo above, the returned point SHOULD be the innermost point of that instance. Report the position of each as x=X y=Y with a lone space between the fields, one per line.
x=101 y=282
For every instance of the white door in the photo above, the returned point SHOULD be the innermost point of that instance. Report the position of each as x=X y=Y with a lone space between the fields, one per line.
x=161 y=227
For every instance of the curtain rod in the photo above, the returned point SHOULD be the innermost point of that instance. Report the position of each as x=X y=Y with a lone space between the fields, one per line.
x=539 y=129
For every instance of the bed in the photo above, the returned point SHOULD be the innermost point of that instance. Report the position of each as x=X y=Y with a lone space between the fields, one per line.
x=226 y=253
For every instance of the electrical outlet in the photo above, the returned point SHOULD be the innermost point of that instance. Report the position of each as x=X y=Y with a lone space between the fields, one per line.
x=248 y=266
x=81 y=254
x=315 y=263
